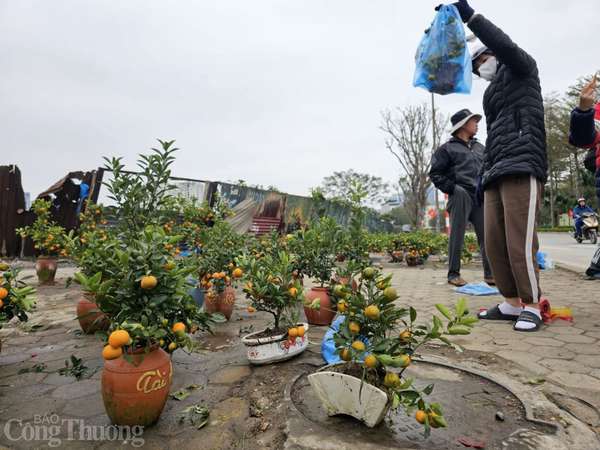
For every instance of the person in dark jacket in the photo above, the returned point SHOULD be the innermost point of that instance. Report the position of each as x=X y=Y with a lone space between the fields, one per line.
x=585 y=133
x=455 y=168
x=514 y=169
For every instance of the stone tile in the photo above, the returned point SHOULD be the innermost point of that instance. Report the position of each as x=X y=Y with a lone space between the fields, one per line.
x=88 y=406
x=566 y=329
x=565 y=366
x=555 y=352
x=588 y=360
x=230 y=375
x=27 y=409
x=518 y=356
x=575 y=380
x=576 y=338
x=540 y=341
x=23 y=379
x=77 y=389
x=584 y=349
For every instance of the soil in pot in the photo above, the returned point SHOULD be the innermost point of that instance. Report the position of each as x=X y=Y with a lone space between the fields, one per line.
x=136 y=393
x=46 y=267
x=91 y=319
x=325 y=314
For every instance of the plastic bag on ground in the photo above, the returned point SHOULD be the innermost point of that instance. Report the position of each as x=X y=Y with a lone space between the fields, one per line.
x=544 y=261
x=443 y=60
x=328 y=346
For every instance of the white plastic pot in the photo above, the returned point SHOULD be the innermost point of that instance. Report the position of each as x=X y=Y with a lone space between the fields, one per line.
x=273 y=349
x=343 y=394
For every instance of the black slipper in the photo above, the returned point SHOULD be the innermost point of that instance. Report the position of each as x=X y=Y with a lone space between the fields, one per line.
x=495 y=314
x=528 y=316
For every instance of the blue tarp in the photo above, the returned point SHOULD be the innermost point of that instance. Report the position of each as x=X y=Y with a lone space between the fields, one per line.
x=478 y=289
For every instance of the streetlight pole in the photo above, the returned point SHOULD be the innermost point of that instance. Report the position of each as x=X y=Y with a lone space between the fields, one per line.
x=435 y=145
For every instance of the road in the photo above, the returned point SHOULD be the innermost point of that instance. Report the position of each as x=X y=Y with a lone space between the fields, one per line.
x=564 y=251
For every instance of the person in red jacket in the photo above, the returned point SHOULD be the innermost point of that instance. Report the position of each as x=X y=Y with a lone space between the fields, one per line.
x=585 y=133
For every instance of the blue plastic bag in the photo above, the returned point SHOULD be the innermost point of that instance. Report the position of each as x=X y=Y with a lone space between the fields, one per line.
x=328 y=346
x=443 y=60
x=544 y=261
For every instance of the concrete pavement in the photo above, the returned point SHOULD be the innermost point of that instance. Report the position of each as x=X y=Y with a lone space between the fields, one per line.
x=566 y=252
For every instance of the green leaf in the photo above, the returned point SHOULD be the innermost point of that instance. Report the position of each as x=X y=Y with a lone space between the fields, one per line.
x=428 y=389
x=468 y=321
x=459 y=330
x=413 y=314
x=461 y=307
x=181 y=394
x=444 y=311
x=395 y=401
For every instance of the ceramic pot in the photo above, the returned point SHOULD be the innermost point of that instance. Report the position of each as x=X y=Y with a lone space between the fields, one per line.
x=325 y=314
x=226 y=302
x=344 y=394
x=136 y=393
x=46 y=267
x=272 y=349
x=91 y=319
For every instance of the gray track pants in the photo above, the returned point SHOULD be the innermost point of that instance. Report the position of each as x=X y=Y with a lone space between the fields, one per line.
x=463 y=209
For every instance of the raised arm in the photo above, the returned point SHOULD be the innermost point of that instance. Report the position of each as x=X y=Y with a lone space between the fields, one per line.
x=518 y=60
x=507 y=52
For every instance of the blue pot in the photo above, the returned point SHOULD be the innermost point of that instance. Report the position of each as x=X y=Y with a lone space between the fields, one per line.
x=196 y=292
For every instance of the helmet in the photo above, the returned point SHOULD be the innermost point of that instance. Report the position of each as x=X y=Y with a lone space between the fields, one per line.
x=581 y=200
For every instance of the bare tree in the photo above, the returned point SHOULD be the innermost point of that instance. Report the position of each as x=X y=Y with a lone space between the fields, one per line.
x=346 y=185
x=408 y=141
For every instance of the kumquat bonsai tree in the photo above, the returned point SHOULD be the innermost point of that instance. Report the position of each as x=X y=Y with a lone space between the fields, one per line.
x=379 y=339
x=149 y=296
x=272 y=287
x=49 y=241
x=16 y=297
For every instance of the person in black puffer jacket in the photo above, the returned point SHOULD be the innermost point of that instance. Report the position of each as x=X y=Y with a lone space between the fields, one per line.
x=585 y=133
x=514 y=169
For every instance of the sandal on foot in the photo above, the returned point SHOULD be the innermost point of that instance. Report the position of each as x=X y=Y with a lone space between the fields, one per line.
x=528 y=316
x=495 y=314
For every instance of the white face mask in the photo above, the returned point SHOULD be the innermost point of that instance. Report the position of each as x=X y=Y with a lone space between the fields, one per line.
x=488 y=69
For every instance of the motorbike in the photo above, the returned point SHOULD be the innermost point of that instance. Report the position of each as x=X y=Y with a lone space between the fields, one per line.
x=589 y=230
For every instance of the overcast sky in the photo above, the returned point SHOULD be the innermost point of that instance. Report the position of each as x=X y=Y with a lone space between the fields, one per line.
x=277 y=92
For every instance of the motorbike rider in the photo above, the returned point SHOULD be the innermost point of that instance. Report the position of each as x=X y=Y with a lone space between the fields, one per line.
x=514 y=171
x=578 y=213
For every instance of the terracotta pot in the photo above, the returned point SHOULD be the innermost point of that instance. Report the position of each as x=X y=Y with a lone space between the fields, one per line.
x=226 y=301
x=45 y=267
x=325 y=314
x=346 y=281
x=91 y=319
x=135 y=394
x=397 y=256
x=211 y=303
x=412 y=261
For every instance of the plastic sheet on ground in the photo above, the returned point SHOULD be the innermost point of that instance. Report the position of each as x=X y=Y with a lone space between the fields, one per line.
x=477 y=289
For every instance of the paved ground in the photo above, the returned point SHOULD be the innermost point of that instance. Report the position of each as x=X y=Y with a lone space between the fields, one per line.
x=566 y=252
x=555 y=372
